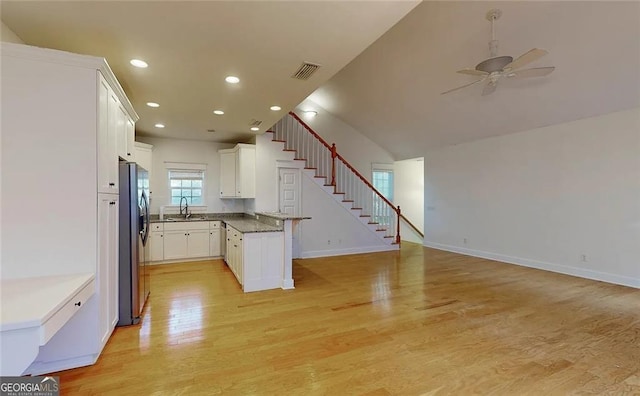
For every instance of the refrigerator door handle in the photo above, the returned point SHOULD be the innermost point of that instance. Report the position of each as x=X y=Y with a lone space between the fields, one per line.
x=144 y=226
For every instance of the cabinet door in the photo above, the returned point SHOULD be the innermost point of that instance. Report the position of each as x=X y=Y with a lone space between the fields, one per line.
x=156 y=246
x=107 y=155
x=107 y=271
x=198 y=245
x=214 y=243
x=121 y=132
x=175 y=245
x=227 y=174
x=130 y=140
x=246 y=172
x=114 y=105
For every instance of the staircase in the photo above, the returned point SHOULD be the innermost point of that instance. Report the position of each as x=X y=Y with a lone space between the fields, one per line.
x=338 y=178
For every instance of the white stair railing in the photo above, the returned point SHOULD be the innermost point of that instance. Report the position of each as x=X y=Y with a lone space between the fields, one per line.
x=337 y=172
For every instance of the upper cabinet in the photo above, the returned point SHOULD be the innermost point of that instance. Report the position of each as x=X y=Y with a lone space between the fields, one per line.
x=238 y=172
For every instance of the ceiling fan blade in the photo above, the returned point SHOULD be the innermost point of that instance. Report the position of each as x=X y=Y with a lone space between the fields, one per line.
x=527 y=58
x=533 y=72
x=464 y=86
x=489 y=88
x=473 y=72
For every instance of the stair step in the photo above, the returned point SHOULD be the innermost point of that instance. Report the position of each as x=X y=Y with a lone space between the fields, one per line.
x=320 y=177
x=337 y=193
x=310 y=168
x=299 y=159
x=270 y=131
x=365 y=215
x=373 y=222
x=347 y=200
x=286 y=149
x=389 y=236
x=356 y=208
x=279 y=141
x=381 y=229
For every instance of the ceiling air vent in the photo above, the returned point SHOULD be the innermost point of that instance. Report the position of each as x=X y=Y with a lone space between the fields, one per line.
x=255 y=123
x=211 y=130
x=305 y=71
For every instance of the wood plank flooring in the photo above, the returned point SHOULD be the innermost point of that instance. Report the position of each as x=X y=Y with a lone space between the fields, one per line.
x=414 y=322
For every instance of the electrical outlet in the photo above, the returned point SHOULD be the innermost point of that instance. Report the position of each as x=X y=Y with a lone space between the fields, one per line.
x=583 y=258
x=329 y=242
x=277 y=222
x=465 y=240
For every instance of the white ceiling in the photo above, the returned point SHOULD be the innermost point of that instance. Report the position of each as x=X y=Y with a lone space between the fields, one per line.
x=390 y=92
x=191 y=46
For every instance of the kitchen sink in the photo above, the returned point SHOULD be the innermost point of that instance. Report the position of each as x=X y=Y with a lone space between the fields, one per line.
x=192 y=218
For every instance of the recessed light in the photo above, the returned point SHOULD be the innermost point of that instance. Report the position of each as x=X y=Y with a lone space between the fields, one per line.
x=159 y=125
x=218 y=112
x=138 y=63
x=232 y=79
x=275 y=108
x=255 y=129
x=152 y=104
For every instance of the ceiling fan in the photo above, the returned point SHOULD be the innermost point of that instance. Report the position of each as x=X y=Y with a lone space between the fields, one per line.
x=496 y=67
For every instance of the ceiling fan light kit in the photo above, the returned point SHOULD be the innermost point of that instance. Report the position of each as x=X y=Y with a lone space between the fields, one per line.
x=496 y=67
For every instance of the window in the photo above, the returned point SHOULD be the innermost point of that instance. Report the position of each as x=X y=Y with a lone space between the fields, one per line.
x=383 y=182
x=186 y=183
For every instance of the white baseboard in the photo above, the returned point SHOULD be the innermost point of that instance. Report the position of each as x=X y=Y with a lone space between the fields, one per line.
x=39 y=368
x=343 y=252
x=542 y=265
x=184 y=260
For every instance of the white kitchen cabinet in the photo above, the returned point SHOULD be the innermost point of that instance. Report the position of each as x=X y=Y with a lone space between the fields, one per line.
x=156 y=242
x=107 y=271
x=144 y=156
x=175 y=244
x=130 y=140
x=238 y=172
x=256 y=258
x=69 y=145
x=107 y=161
x=197 y=243
x=227 y=173
x=234 y=252
x=186 y=239
x=121 y=131
x=214 y=239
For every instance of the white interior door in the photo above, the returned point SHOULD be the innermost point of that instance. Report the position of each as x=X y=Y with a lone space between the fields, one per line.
x=290 y=201
x=289 y=191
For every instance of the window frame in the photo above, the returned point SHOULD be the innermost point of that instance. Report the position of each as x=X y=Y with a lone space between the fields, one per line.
x=186 y=168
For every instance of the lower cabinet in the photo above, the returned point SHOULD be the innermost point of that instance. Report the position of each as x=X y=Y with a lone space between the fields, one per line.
x=256 y=258
x=107 y=271
x=184 y=240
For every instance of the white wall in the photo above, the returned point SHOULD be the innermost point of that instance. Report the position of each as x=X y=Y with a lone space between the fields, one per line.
x=356 y=148
x=332 y=230
x=268 y=154
x=543 y=198
x=408 y=186
x=191 y=151
x=8 y=35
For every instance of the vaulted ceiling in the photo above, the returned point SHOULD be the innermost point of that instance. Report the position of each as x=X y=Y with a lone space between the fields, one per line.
x=391 y=92
x=386 y=85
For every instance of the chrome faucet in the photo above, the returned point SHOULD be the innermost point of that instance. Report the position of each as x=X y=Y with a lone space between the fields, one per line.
x=186 y=208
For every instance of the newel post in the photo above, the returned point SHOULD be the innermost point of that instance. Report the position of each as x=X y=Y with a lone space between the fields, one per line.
x=334 y=154
x=398 y=226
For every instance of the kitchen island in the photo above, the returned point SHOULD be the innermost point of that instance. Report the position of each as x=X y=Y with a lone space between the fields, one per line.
x=257 y=248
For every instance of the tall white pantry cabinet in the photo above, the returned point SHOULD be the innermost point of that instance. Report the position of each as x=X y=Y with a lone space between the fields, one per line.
x=62 y=114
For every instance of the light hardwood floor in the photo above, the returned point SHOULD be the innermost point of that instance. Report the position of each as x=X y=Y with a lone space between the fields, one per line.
x=414 y=322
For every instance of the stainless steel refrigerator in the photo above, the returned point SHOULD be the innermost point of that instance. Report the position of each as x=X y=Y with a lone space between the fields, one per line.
x=134 y=251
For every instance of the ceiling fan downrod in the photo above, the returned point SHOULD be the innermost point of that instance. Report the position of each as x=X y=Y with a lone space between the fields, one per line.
x=492 y=16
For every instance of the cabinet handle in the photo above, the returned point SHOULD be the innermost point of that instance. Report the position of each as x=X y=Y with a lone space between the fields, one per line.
x=112 y=184
x=128 y=153
x=78 y=304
